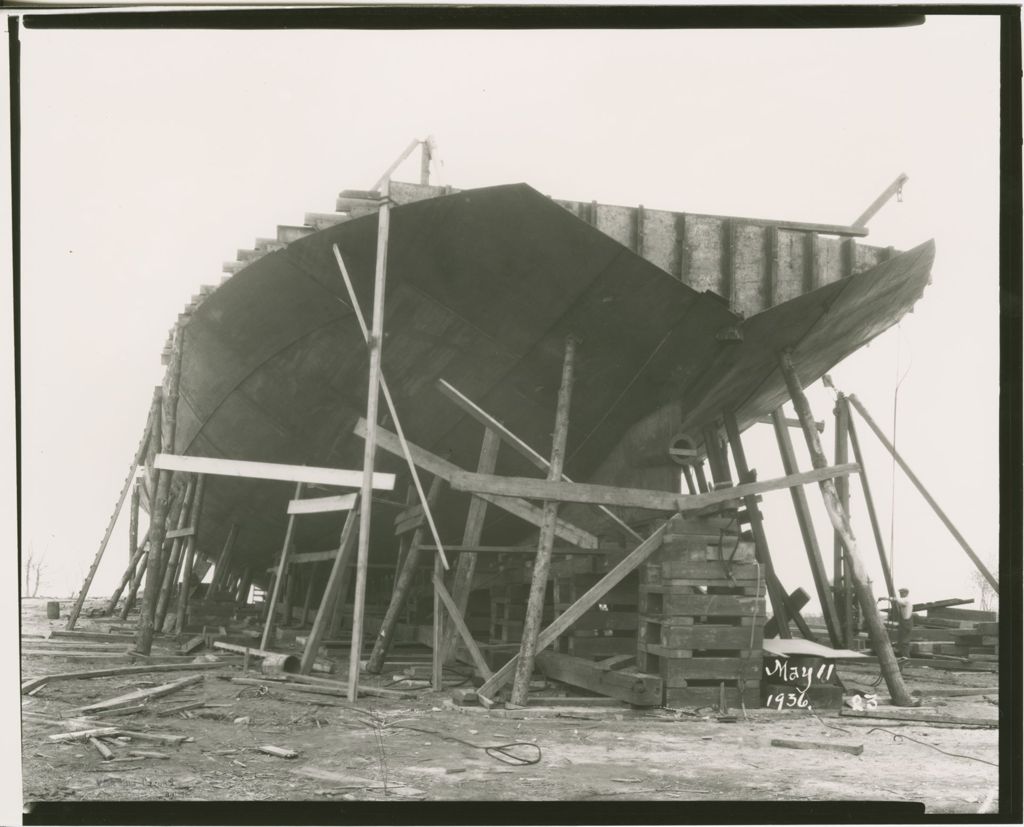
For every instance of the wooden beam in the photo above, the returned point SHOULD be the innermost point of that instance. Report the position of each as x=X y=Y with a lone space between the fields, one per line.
x=179 y=533
x=334 y=592
x=869 y=501
x=322 y=505
x=220 y=570
x=308 y=474
x=542 y=562
x=634 y=688
x=446 y=470
x=587 y=552
x=806 y=524
x=282 y=568
x=490 y=423
x=764 y=557
x=841 y=522
x=465 y=569
x=631 y=497
x=460 y=626
x=190 y=552
x=862 y=220
x=924 y=493
x=583 y=604
x=840 y=566
x=171 y=569
x=792 y=423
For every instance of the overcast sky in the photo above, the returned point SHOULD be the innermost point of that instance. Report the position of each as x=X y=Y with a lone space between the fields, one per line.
x=150 y=157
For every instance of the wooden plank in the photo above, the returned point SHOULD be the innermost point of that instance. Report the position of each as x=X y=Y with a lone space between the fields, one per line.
x=140 y=695
x=446 y=470
x=282 y=569
x=633 y=687
x=32 y=683
x=852 y=749
x=585 y=602
x=322 y=505
x=632 y=497
x=586 y=552
x=886 y=715
x=545 y=542
x=309 y=474
x=178 y=533
x=491 y=423
x=461 y=628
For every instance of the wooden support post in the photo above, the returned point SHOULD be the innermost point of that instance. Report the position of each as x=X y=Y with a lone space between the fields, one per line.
x=126 y=578
x=374 y=343
x=924 y=493
x=129 y=484
x=775 y=591
x=803 y=517
x=403 y=585
x=691 y=485
x=132 y=589
x=288 y=604
x=718 y=460
x=425 y=163
x=190 y=551
x=460 y=626
x=542 y=565
x=869 y=501
x=702 y=480
x=171 y=569
x=841 y=521
x=282 y=568
x=333 y=593
x=244 y=587
x=220 y=569
x=311 y=579
x=133 y=514
x=583 y=604
x=164 y=425
x=437 y=655
x=841 y=580
x=465 y=569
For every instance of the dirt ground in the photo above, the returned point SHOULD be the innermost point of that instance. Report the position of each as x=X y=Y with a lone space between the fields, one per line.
x=370 y=751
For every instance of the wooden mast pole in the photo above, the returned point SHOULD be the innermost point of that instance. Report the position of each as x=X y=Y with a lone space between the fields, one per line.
x=282 y=569
x=542 y=565
x=374 y=343
x=869 y=501
x=190 y=550
x=166 y=423
x=841 y=522
x=806 y=524
x=924 y=493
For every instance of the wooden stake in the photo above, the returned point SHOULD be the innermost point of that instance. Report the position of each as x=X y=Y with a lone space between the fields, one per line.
x=400 y=594
x=190 y=550
x=374 y=343
x=803 y=518
x=163 y=425
x=924 y=493
x=332 y=591
x=869 y=501
x=764 y=557
x=542 y=565
x=841 y=522
x=282 y=568
x=465 y=569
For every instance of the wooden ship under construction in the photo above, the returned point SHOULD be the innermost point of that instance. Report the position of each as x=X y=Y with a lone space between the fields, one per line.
x=544 y=481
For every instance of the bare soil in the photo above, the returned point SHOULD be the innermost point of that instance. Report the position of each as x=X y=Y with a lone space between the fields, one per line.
x=610 y=752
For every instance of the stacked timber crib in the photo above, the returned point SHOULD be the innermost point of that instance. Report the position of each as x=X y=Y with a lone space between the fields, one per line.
x=702 y=615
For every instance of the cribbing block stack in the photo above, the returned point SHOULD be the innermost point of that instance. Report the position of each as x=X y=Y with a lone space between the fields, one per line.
x=607 y=629
x=702 y=615
x=508 y=610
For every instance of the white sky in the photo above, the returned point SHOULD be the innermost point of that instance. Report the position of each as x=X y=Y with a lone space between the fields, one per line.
x=150 y=157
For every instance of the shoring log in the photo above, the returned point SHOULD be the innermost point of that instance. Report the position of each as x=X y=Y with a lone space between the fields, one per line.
x=311 y=579
x=400 y=593
x=190 y=550
x=282 y=569
x=542 y=563
x=924 y=492
x=287 y=605
x=244 y=586
x=841 y=575
x=129 y=485
x=460 y=626
x=465 y=568
x=220 y=569
x=869 y=501
x=171 y=569
x=163 y=425
x=841 y=522
x=133 y=590
x=583 y=604
x=133 y=513
x=806 y=524
x=128 y=575
x=775 y=591
x=436 y=659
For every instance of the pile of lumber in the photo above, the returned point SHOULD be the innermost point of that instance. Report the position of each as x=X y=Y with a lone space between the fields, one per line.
x=970 y=635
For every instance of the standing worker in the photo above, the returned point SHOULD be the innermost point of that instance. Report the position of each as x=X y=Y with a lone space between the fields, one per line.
x=905 y=615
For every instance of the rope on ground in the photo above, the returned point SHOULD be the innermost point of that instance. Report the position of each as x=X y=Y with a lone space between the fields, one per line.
x=897 y=738
x=499 y=752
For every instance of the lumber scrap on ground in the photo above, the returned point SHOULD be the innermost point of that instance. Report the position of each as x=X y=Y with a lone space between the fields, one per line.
x=30 y=684
x=633 y=687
